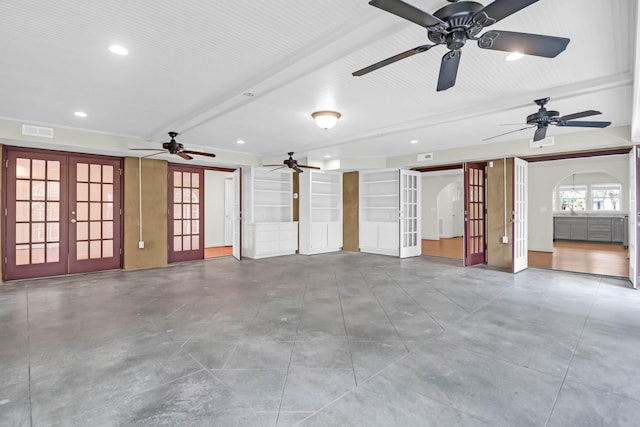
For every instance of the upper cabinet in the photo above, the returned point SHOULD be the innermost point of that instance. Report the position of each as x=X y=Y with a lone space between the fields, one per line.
x=320 y=198
x=390 y=202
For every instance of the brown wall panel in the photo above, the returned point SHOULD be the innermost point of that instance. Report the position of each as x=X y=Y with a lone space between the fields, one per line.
x=499 y=254
x=154 y=214
x=350 y=212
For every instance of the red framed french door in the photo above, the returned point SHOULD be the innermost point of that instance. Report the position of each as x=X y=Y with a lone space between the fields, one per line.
x=186 y=213
x=50 y=203
x=474 y=213
x=94 y=214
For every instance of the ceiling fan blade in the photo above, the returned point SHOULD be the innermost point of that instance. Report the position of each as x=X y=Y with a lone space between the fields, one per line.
x=408 y=12
x=585 y=124
x=297 y=169
x=392 y=59
x=528 y=44
x=199 y=153
x=146 y=149
x=507 y=133
x=449 y=70
x=499 y=10
x=579 y=115
x=183 y=155
x=275 y=166
x=541 y=133
x=308 y=167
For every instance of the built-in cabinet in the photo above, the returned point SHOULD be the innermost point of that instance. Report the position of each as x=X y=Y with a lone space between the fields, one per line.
x=320 y=215
x=267 y=213
x=390 y=202
x=595 y=229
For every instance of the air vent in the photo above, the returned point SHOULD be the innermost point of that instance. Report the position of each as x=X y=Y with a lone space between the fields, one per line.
x=40 y=131
x=547 y=142
x=425 y=157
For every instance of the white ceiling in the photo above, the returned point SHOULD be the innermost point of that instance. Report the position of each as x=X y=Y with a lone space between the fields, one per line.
x=191 y=62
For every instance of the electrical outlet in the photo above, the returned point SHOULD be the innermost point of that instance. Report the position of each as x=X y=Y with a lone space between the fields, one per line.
x=505 y=239
x=141 y=244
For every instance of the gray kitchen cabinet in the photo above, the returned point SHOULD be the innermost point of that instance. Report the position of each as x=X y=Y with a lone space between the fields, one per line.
x=593 y=229
x=599 y=229
x=570 y=228
x=617 y=229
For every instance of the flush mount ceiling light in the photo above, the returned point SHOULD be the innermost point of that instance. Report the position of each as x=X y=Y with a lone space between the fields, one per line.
x=80 y=114
x=326 y=119
x=118 y=50
x=514 y=56
x=413 y=141
x=239 y=141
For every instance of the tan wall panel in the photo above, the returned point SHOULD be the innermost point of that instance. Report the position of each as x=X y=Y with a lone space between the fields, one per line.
x=154 y=214
x=499 y=254
x=350 y=212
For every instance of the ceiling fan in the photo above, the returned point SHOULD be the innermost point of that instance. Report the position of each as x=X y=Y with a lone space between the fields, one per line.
x=174 y=147
x=455 y=24
x=543 y=118
x=291 y=163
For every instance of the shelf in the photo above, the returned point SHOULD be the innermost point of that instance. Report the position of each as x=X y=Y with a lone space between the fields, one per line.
x=380 y=195
x=279 y=181
x=379 y=207
x=272 y=206
x=325 y=209
x=380 y=182
x=272 y=191
x=326 y=194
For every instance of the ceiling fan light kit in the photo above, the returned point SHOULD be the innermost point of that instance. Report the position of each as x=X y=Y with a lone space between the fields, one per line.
x=455 y=24
x=291 y=163
x=326 y=119
x=174 y=147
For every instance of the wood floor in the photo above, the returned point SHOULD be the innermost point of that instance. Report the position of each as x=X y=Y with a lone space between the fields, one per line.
x=218 y=251
x=584 y=257
x=448 y=248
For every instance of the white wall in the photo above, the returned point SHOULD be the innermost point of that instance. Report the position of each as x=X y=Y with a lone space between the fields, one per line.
x=544 y=176
x=432 y=184
x=451 y=209
x=214 y=207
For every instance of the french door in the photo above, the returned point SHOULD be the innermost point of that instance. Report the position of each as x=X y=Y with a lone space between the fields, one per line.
x=634 y=214
x=237 y=214
x=63 y=214
x=474 y=208
x=186 y=213
x=520 y=212
x=410 y=212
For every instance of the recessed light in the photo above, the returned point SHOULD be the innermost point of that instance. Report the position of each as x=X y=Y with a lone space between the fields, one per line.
x=413 y=141
x=249 y=94
x=514 y=56
x=326 y=156
x=118 y=50
x=240 y=141
x=80 y=114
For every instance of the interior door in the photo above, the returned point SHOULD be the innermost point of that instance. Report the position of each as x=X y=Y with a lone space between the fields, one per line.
x=237 y=214
x=410 y=234
x=228 y=211
x=634 y=159
x=186 y=213
x=36 y=215
x=520 y=211
x=474 y=216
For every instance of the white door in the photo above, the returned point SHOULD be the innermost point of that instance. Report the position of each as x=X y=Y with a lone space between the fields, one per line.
x=237 y=213
x=228 y=211
x=410 y=204
x=633 y=215
x=520 y=207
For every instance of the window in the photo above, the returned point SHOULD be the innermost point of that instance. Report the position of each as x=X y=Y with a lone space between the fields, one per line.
x=573 y=198
x=606 y=197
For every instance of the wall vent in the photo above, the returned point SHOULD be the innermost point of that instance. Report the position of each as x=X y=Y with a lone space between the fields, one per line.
x=425 y=157
x=547 y=142
x=40 y=131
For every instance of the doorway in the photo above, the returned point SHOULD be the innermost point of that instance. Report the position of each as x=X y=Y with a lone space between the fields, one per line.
x=443 y=214
x=580 y=214
x=63 y=213
x=218 y=220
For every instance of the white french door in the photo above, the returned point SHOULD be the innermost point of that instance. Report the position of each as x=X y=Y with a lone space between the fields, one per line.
x=410 y=212
x=520 y=207
x=237 y=214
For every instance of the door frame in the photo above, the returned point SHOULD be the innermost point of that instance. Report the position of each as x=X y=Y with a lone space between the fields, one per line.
x=190 y=255
x=519 y=216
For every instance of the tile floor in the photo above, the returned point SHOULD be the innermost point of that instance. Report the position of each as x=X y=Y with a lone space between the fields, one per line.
x=337 y=339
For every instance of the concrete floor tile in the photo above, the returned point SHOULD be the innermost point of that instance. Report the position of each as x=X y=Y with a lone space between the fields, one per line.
x=260 y=354
x=326 y=353
x=311 y=389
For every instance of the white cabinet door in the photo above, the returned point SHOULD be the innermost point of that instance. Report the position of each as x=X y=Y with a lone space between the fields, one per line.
x=318 y=236
x=334 y=235
x=388 y=236
x=368 y=235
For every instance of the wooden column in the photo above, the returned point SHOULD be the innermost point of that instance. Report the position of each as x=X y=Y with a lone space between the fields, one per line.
x=350 y=212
